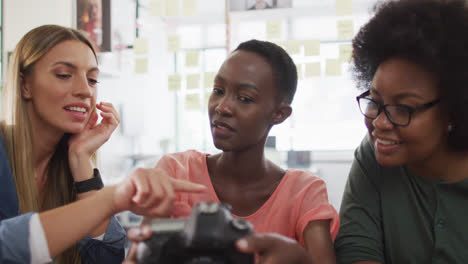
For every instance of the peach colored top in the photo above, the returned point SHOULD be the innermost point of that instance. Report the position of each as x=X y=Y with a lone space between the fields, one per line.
x=300 y=197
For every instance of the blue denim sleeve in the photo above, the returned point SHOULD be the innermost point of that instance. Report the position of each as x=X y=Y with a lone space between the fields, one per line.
x=14 y=239
x=109 y=250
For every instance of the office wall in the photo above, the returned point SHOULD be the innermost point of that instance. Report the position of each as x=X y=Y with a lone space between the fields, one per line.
x=20 y=16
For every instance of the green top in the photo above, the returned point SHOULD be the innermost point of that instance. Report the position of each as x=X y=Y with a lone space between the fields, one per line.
x=392 y=215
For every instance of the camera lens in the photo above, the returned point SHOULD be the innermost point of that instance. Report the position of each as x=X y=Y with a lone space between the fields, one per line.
x=240 y=224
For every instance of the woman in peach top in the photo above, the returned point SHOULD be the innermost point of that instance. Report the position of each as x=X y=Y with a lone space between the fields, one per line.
x=252 y=92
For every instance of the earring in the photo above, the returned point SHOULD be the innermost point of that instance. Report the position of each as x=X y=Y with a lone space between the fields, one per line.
x=450 y=127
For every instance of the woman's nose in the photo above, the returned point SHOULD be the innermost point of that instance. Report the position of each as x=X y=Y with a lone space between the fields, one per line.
x=224 y=107
x=82 y=88
x=382 y=122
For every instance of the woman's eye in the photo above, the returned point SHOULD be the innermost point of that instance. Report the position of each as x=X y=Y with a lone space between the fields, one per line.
x=217 y=91
x=63 y=76
x=245 y=99
x=93 y=81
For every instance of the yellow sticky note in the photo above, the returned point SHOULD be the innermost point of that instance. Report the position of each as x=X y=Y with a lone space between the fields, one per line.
x=173 y=82
x=345 y=52
x=189 y=7
x=191 y=58
x=273 y=29
x=299 y=71
x=344 y=7
x=173 y=43
x=140 y=46
x=345 y=29
x=193 y=81
x=292 y=47
x=312 y=69
x=172 y=8
x=312 y=47
x=156 y=8
x=209 y=79
x=333 y=67
x=192 y=102
x=141 y=65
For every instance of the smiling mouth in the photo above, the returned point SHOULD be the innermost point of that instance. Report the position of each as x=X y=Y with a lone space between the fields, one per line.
x=76 y=109
x=386 y=142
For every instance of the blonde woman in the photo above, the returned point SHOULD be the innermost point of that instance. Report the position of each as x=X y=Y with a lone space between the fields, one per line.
x=48 y=139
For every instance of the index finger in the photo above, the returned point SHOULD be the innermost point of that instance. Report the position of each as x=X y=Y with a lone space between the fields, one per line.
x=186 y=186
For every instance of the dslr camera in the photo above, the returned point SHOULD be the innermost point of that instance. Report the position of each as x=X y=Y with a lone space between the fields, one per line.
x=208 y=236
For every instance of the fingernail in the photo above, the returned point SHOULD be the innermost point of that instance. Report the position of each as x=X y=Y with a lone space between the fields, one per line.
x=135 y=232
x=242 y=243
x=146 y=230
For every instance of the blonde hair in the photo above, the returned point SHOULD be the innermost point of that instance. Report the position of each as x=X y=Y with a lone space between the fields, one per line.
x=17 y=134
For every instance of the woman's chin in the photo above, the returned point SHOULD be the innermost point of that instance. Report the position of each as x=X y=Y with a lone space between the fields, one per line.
x=388 y=161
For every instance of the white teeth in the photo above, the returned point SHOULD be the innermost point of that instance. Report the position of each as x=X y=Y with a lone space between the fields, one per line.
x=77 y=109
x=386 y=142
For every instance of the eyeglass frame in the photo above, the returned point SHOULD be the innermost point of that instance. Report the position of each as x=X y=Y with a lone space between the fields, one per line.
x=410 y=109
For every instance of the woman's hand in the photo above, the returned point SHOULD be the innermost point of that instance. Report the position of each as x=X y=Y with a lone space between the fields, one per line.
x=273 y=248
x=136 y=235
x=150 y=192
x=84 y=144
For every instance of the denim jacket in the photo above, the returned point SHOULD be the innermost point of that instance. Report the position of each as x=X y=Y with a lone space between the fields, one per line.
x=14 y=228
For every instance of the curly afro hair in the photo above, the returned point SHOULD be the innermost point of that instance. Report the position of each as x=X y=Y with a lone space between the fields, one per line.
x=283 y=66
x=430 y=33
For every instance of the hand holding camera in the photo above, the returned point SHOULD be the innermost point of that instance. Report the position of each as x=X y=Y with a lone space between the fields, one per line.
x=207 y=236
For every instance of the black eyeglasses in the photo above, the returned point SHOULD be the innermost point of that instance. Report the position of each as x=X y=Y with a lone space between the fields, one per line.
x=398 y=114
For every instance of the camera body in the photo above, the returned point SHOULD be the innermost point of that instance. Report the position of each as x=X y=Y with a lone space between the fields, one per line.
x=206 y=237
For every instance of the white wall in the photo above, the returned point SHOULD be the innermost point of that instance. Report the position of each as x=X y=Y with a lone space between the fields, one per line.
x=20 y=16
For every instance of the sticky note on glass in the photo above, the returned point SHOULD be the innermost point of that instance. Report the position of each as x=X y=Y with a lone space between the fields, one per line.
x=312 y=69
x=273 y=29
x=191 y=58
x=345 y=52
x=209 y=79
x=172 y=8
x=173 y=43
x=345 y=29
x=312 y=47
x=299 y=71
x=189 y=7
x=173 y=82
x=344 y=7
x=333 y=67
x=292 y=47
x=141 y=65
x=156 y=8
x=193 y=81
x=192 y=102
x=140 y=46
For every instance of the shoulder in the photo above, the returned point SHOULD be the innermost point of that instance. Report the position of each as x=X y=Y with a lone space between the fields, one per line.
x=303 y=183
x=302 y=178
x=183 y=164
x=365 y=151
x=365 y=164
x=181 y=158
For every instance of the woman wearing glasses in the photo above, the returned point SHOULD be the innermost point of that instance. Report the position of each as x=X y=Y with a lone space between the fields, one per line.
x=407 y=191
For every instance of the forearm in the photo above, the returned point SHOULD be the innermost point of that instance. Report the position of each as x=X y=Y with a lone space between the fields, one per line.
x=82 y=169
x=66 y=225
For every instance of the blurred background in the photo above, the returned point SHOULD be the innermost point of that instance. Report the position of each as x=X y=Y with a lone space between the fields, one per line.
x=158 y=59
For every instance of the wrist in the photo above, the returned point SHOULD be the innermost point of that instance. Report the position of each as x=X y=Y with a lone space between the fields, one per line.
x=81 y=168
x=92 y=184
x=106 y=196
